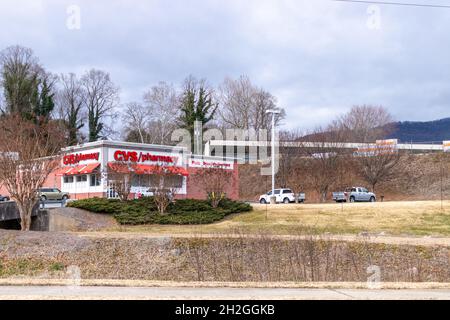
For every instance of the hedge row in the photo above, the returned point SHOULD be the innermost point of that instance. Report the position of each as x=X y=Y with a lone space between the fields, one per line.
x=144 y=210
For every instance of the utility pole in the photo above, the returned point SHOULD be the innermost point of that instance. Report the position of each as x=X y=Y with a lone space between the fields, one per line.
x=442 y=182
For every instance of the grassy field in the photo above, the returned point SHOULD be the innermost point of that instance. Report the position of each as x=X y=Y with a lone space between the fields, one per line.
x=393 y=218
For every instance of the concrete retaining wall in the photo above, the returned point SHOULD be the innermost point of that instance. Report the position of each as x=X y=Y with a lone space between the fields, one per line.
x=10 y=217
x=9 y=211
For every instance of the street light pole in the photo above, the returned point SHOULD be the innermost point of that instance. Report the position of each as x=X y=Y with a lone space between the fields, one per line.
x=273 y=154
x=273 y=112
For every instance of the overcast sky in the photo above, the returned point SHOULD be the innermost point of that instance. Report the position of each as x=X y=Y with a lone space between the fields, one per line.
x=318 y=57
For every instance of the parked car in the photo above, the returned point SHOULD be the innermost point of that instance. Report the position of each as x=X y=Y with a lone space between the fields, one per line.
x=281 y=195
x=52 y=194
x=301 y=197
x=4 y=198
x=355 y=194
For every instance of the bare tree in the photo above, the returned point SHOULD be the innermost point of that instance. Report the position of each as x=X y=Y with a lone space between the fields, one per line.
x=325 y=156
x=27 y=158
x=19 y=78
x=293 y=163
x=244 y=106
x=265 y=101
x=236 y=99
x=120 y=176
x=28 y=89
x=70 y=106
x=214 y=181
x=378 y=165
x=365 y=124
x=290 y=156
x=162 y=103
x=163 y=191
x=137 y=123
x=102 y=97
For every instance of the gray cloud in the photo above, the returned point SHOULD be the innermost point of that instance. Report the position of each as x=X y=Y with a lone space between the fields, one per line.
x=317 y=56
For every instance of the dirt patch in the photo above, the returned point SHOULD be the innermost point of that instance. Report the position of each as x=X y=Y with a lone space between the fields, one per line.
x=73 y=219
x=46 y=245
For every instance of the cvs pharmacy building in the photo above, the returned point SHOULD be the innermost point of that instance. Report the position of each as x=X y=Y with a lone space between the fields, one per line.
x=85 y=168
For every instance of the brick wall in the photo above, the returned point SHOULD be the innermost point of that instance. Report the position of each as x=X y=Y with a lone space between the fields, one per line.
x=52 y=181
x=195 y=191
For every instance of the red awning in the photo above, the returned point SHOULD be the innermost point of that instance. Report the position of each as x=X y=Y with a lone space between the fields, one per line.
x=63 y=171
x=120 y=167
x=81 y=169
x=179 y=171
x=147 y=169
x=89 y=168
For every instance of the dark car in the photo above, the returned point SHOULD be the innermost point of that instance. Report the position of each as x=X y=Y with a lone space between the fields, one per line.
x=4 y=198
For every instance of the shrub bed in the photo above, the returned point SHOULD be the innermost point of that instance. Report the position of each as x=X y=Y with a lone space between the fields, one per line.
x=144 y=211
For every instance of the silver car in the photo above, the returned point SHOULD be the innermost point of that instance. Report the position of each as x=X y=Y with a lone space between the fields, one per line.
x=355 y=194
x=52 y=194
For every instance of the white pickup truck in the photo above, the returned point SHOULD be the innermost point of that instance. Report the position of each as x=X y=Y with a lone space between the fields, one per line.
x=355 y=194
x=282 y=196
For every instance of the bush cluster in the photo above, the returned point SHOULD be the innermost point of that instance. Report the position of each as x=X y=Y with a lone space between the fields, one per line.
x=144 y=210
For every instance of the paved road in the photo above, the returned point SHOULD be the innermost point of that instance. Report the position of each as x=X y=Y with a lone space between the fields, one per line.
x=61 y=292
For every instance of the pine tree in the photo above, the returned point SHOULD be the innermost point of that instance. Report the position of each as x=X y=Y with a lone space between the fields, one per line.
x=197 y=105
x=44 y=104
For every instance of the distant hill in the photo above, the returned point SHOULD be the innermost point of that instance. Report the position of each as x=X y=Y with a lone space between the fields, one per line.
x=416 y=131
x=405 y=131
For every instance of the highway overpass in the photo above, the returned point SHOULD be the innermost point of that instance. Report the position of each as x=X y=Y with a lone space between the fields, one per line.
x=419 y=147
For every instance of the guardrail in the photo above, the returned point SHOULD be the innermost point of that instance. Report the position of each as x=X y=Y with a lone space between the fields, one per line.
x=47 y=204
x=290 y=144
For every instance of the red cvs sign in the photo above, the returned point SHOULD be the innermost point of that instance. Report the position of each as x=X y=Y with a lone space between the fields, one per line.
x=78 y=157
x=133 y=156
x=127 y=156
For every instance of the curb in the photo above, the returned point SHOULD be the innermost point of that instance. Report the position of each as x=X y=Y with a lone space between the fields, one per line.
x=173 y=284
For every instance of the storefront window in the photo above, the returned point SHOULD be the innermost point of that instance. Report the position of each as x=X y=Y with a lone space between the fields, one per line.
x=95 y=180
x=68 y=179
x=82 y=178
x=173 y=181
x=137 y=181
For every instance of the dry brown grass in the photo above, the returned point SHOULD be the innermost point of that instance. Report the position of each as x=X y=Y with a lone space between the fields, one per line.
x=417 y=218
x=236 y=257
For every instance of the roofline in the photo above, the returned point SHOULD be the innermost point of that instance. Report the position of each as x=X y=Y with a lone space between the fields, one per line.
x=113 y=143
